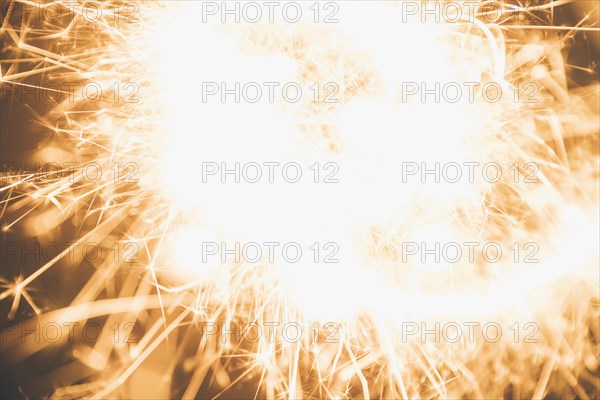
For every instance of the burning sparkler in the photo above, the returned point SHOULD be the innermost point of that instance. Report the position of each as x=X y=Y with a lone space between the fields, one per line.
x=301 y=200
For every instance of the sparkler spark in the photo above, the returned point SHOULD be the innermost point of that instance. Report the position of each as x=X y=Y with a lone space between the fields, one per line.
x=199 y=174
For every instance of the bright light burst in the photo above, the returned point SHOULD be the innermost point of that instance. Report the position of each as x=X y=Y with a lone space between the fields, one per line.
x=153 y=134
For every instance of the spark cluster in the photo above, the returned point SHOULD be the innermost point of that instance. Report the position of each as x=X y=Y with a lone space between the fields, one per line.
x=140 y=133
